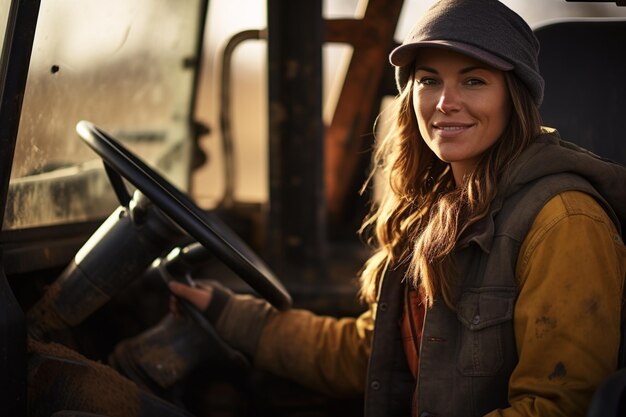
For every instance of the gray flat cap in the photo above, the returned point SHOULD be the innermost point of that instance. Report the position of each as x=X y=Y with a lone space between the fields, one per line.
x=486 y=30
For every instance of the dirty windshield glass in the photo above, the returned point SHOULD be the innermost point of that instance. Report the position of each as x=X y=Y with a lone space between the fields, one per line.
x=128 y=67
x=4 y=14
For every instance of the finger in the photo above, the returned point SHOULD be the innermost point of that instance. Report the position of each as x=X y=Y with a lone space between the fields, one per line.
x=200 y=297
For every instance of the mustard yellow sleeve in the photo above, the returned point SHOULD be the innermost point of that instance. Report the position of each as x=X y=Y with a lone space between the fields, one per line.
x=327 y=354
x=571 y=271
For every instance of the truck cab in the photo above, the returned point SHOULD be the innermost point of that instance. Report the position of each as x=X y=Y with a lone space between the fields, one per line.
x=153 y=140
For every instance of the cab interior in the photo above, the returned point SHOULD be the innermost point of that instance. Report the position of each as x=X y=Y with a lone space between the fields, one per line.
x=147 y=141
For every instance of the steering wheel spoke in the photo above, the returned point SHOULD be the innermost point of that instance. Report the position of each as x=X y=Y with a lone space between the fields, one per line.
x=118 y=185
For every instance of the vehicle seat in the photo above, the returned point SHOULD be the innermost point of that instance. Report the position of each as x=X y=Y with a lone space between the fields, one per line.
x=63 y=383
x=584 y=65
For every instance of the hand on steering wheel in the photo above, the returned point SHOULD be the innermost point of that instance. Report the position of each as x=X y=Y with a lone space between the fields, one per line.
x=207 y=229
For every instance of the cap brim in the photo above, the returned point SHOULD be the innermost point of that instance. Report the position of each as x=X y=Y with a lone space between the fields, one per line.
x=405 y=54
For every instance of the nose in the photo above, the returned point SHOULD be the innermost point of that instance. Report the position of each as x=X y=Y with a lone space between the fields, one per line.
x=449 y=100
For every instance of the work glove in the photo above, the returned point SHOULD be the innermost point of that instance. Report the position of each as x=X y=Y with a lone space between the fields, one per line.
x=237 y=318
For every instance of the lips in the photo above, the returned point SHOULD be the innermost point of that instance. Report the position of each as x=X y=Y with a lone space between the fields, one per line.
x=451 y=129
x=451 y=125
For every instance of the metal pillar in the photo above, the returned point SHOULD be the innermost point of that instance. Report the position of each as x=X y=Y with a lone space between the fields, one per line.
x=296 y=135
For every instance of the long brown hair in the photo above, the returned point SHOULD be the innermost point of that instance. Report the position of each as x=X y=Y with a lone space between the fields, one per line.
x=422 y=212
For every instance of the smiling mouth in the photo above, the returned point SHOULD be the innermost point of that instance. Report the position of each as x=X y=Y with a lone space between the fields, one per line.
x=451 y=128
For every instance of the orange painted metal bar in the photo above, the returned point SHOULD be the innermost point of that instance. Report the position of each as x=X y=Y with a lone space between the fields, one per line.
x=349 y=135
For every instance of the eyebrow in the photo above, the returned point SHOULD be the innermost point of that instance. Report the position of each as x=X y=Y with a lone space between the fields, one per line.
x=463 y=71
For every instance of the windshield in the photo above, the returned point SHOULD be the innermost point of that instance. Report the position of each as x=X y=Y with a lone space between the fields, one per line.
x=128 y=67
x=4 y=14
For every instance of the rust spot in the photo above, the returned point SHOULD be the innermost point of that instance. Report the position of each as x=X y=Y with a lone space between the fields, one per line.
x=292 y=68
x=559 y=371
x=543 y=325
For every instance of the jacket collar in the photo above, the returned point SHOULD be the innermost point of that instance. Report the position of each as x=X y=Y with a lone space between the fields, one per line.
x=549 y=155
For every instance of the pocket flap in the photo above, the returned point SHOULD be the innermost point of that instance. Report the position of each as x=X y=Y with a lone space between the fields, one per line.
x=478 y=309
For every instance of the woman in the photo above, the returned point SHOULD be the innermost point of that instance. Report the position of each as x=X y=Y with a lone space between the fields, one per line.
x=497 y=279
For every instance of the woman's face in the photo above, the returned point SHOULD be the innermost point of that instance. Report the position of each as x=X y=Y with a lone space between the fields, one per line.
x=462 y=106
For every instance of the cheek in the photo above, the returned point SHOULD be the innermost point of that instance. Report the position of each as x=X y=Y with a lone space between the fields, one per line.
x=501 y=113
x=422 y=114
x=504 y=117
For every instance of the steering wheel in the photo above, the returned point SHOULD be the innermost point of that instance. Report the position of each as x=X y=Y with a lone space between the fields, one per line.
x=206 y=229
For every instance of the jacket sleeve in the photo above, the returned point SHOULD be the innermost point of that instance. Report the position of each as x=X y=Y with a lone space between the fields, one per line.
x=571 y=271
x=324 y=353
x=327 y=354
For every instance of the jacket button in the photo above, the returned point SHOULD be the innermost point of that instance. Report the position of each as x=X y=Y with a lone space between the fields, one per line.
x=476 y=319
x=383 y=307
x=375 y=385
